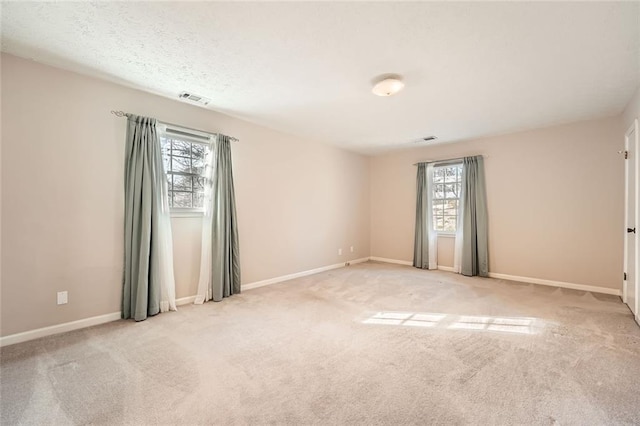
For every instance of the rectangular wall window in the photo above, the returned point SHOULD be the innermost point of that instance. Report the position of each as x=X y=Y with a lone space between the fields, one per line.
x=184 y=163
x=447 y=184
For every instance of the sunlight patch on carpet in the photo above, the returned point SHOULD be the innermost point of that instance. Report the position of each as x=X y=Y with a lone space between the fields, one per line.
x=519 y=325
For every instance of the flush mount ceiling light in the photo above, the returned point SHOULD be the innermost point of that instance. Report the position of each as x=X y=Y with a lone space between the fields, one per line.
x=388 y=87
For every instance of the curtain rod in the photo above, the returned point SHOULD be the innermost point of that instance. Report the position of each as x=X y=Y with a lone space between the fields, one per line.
x=448 y=160
x=126 y=114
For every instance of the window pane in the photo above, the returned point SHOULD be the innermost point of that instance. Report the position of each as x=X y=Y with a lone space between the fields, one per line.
x=180 y=164
x=181 y=148
x=451 y=208
x=437 y=211
x=181 y=183
x=450 y=174
x=198 y=183
x=450 y=191
x=198 y=199
x=181 y=199
x=438 y=175
x=198 y=158
x=170 y=198
x=438 y=207
x=198 y=150
x=438 y=222
x=449 y=223
x=438 y=191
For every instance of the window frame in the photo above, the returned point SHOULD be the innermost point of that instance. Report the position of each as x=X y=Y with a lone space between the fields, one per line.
x=444 y=164
x=186 y=135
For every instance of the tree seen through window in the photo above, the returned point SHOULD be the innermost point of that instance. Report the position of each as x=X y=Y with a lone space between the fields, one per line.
x=184 y=164
x=447 y=185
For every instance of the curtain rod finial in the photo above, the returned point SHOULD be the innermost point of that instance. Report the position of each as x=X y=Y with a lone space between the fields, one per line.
x=118 y=113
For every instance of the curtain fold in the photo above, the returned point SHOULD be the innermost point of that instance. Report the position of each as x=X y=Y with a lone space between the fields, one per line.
x=457 y=248
x=474 y=247
x=425 y=247
x=220 y=260
x=148 y=283
x=421 y=241
x=432 y=235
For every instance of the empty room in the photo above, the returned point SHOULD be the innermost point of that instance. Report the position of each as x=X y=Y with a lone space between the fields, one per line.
x=328 y=213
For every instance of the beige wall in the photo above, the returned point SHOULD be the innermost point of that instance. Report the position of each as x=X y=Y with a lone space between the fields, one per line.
x=62 y=205
x=555 y=200
x=632 y=111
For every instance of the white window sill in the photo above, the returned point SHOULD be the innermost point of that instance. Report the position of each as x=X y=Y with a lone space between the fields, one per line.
x=185 y=214
x=447 y=234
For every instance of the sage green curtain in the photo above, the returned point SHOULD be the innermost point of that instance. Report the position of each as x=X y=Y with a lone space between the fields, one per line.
x=475 y=253
x=421 y=242
x=148 y=286
x=225 y=272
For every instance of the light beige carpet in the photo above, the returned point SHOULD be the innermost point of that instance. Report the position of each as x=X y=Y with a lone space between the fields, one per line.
x=368 y=344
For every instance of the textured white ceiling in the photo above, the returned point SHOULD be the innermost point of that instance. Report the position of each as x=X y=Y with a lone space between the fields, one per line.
x=471 y=69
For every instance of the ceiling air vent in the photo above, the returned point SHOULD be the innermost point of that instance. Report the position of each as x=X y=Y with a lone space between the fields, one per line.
x=194 y=98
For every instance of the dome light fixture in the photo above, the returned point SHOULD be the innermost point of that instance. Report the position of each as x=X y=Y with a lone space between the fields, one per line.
x=388 y=87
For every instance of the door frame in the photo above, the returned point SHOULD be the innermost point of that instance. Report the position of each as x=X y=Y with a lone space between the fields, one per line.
x=627 y=141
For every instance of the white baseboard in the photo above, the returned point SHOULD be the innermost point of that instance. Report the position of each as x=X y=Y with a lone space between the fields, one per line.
x=70 y=326
x=185 y=300
x=282 y=278
x=394 y=261
x=59 y=328
x=114 y=316
x=102 y=319
x=407 y=263
x=561 y=284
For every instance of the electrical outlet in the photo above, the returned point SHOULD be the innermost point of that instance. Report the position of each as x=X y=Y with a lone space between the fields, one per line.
x=351 y=249
x=339 y=252
x=63 y=298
